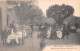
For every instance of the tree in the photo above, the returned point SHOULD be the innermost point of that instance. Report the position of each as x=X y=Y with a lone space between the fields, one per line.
x=29 y=13
x=59 y=12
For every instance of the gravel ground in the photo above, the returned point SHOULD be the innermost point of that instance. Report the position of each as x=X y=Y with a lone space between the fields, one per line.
x=34 y=44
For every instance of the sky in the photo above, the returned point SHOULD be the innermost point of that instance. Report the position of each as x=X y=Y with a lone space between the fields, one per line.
x=44 y=5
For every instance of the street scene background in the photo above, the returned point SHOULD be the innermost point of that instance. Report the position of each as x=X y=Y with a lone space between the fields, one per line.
x=32 y=25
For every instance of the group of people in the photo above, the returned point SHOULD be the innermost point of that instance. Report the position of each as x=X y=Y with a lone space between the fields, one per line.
x=54 y=31
x=57 y=31
x=47 y=31
x=7 y=31
x=17 y=29
x=14 y=27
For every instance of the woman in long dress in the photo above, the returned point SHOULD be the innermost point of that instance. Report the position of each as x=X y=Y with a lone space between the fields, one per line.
x=53 y=32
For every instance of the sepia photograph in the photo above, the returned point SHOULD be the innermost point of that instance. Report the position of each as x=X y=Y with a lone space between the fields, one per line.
x=34 y=25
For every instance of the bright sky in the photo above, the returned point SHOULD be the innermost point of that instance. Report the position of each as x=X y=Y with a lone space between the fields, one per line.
x=44 y=5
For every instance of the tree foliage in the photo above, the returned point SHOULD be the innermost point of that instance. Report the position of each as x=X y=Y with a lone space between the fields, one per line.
x=59 y=12
x=27 y=12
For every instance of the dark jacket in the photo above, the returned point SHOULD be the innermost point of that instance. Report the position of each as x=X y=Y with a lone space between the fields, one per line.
x=4 y=34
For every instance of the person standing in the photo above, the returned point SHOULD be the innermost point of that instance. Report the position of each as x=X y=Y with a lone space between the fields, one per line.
x=31 y=27
x=4 y=35
x=12 y=26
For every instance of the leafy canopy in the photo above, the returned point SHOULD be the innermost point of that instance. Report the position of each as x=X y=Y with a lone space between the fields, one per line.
x=59 y=12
